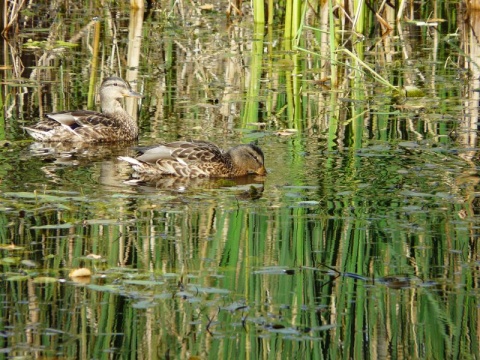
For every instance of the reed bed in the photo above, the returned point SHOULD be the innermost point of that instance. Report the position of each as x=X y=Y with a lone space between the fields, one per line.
x=330 y=51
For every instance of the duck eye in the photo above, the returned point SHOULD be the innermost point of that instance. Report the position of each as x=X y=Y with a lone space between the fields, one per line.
x=255 y=157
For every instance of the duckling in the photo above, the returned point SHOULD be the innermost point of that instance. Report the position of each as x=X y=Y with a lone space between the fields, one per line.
x=198 y=159
x=112 y=124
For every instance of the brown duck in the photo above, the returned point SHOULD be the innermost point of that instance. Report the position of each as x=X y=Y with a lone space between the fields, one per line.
x=198 y=159
x=112 y=124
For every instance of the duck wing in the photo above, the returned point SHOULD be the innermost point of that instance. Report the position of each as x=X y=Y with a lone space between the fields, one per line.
x=79 y=125
x=184 y=152
x=82 y=118
x=66 y=119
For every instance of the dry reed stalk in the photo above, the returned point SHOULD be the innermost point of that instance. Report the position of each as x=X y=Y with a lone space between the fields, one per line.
x=133 y=56
x=234 y=6
x=93 y=72
x=136 y=4
x=11 y=13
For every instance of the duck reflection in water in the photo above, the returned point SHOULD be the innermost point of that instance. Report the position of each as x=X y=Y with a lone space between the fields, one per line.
x=249 y=187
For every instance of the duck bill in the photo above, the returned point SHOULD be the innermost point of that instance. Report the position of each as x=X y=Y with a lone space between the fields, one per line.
x=261 y=171
x=133 y=94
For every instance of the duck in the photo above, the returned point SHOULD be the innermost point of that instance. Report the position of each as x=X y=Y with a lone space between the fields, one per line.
x=110 y=125
x=196 y=159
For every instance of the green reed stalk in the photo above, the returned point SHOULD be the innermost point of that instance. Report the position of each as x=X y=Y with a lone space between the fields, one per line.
x=299 y=119
x=287 y=30
x=296 y=29
x=289 y=91
x=359 y=20
x=287 y=45
x=300 y=27
x=296 y=16
x=358 y=107
x=258 y=12
x=270 y=12
x=251 y=106
x=333 y=121
x=270 y=74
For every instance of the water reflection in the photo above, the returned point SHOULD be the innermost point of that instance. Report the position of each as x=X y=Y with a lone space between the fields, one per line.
x=246 y=187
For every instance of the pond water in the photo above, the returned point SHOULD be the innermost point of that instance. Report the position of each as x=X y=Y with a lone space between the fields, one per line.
x=361 y=242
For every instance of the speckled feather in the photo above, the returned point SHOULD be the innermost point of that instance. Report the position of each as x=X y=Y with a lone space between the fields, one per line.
x=198 y=159
x=112 y=124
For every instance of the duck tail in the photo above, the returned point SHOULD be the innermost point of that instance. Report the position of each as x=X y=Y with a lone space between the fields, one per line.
x=131 y=160
x=39 y=135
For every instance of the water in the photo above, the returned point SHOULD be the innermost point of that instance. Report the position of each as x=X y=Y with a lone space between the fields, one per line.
x=361 y=242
